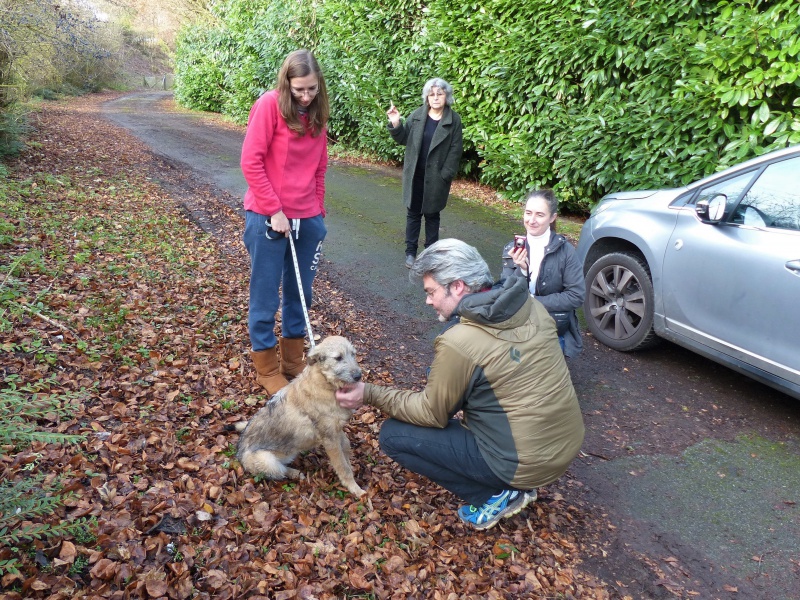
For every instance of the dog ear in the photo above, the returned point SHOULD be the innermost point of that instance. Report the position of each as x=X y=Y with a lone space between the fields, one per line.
x=313 y=355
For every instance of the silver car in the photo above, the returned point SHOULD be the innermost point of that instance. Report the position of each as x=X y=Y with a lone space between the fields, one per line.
x=714 y=267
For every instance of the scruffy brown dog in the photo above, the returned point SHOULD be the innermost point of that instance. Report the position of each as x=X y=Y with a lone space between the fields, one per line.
x=304 y=415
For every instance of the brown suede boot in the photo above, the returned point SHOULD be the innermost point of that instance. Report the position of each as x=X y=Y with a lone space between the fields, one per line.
x=292 y=363
x=267 y=374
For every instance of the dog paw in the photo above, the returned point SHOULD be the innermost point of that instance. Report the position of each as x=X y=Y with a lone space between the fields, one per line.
x=294 y=474
x=356 y=491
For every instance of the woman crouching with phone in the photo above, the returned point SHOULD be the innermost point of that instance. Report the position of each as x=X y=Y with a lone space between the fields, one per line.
x=548 y=261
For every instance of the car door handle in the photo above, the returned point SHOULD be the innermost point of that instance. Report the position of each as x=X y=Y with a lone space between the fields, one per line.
x=794 y=266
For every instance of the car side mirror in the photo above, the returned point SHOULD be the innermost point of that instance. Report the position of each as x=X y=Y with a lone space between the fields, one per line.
x=711 y=210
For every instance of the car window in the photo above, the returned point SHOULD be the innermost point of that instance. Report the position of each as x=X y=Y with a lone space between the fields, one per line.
x=732 y=188
x=774 y=199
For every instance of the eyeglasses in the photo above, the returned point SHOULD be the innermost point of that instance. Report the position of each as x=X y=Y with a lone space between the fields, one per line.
x=300 y=92
x=436 y=94
x=430 y=293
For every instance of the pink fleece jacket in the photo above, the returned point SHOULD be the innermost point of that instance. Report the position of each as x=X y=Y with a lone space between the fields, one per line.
x=283 y=170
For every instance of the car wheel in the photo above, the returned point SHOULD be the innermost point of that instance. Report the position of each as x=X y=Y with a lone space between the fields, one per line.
x=619 y=302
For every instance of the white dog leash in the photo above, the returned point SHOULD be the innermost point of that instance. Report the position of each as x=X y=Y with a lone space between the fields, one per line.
x=300 y=286
x=295 y=228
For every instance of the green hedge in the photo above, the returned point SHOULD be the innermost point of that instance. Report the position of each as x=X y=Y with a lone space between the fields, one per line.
x=380 y=54
x=225 y=65
x=587 y=96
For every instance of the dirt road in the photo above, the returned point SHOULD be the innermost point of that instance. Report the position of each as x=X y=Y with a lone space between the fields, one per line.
x=690 y=471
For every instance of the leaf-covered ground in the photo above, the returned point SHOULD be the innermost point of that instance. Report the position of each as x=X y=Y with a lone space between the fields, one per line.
x=111 y=289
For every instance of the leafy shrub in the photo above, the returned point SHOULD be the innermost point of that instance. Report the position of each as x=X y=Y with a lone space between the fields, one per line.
x=13 y=125
x=373 y=55
x=585 y=97
x=44 y=46
x=266 y=33
x=63 y=89
x=224 y=66
x=45 y=94
x=27 y=503
x=24 y=505
x=199 y=68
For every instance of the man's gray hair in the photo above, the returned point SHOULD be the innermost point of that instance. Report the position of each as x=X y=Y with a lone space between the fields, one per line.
x=450 y=260
x=437 y=82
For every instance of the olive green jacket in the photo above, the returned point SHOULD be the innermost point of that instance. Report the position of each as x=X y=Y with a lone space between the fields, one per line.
x=502 y=365
x=443 y=160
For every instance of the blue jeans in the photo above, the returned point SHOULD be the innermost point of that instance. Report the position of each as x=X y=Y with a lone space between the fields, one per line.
x=270 y=263
x=450 y=457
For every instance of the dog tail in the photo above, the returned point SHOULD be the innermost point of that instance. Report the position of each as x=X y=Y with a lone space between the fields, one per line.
x=238 y=427
x=263 y=462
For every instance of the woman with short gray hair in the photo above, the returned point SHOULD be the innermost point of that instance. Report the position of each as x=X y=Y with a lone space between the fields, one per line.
x=433 y=140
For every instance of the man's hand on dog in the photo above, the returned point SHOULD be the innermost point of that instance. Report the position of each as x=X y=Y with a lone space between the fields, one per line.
x=351 y=397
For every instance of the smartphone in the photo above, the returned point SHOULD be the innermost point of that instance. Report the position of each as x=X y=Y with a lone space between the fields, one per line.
x=519 y=241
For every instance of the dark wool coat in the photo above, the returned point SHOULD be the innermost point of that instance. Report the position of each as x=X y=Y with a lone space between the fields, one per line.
x=444 y=156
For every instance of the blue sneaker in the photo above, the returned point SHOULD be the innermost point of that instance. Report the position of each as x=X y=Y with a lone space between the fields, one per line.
x=505 y=504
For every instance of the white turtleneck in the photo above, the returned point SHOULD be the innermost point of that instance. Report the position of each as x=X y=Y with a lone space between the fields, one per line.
x=536 y=246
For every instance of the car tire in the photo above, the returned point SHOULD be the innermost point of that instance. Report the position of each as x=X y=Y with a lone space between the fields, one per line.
x=619 y=302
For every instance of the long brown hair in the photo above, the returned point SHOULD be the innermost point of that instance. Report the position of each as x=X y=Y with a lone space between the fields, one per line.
x=301 y=63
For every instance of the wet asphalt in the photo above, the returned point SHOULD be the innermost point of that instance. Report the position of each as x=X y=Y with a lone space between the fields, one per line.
x=720 y=519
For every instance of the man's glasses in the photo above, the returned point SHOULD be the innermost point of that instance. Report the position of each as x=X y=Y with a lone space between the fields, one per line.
x=430 y=293
x=300 y=92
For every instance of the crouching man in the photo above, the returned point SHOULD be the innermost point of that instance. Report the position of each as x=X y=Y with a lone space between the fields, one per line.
x=498 y=361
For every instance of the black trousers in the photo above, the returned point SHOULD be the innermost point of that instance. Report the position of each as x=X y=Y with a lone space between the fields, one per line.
x=449 y=457
x=414 y=216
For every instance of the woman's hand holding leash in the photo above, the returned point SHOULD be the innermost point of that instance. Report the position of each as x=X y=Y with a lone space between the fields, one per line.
x=279 y=223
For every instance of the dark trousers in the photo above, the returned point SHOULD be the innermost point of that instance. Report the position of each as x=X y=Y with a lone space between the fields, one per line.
x=414 y=216
x=449 y=457
x=413 y=227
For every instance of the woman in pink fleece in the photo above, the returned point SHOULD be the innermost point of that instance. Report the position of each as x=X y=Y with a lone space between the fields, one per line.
x=284 y=158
